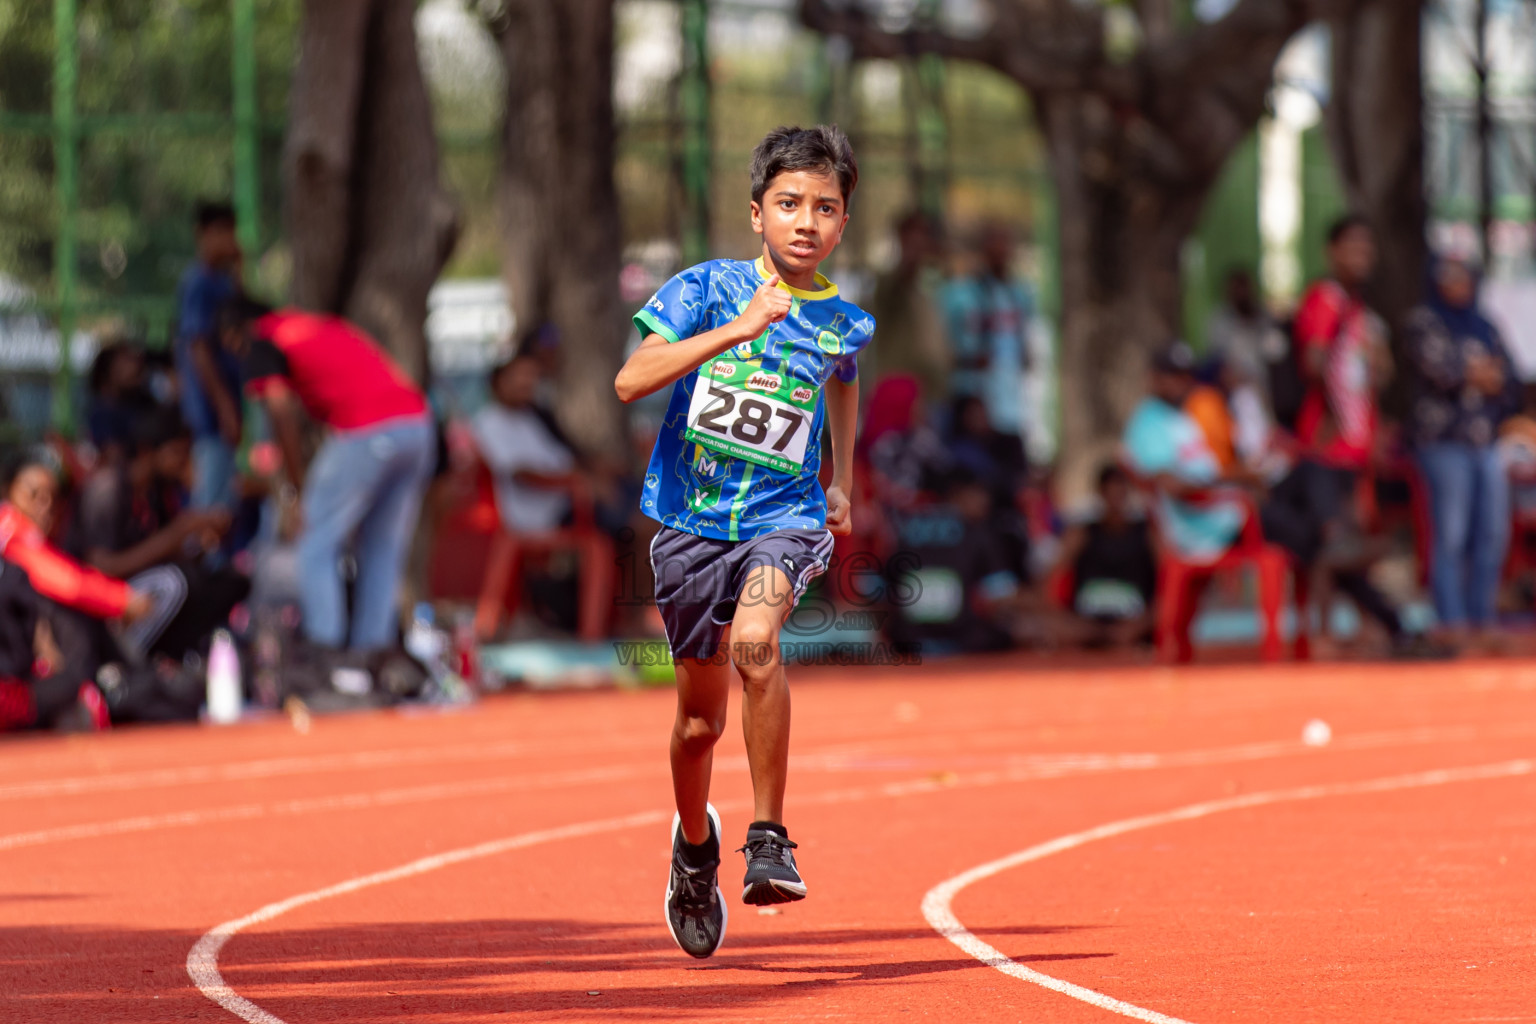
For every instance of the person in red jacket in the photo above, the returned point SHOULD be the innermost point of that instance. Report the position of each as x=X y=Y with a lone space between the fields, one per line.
x=363 y=489
x=26 y=515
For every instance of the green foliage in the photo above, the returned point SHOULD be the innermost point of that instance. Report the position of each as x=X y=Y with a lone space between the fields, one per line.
x=154 y=101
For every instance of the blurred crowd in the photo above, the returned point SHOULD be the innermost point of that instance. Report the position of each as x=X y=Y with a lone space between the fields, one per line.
x=273 y=484
x=1295 y=442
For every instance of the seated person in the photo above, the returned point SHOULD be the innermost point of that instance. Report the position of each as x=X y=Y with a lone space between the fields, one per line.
x=949 y=581
x=1198 y=517
x=998 y=461
x=906 y=457
x=130 y=525
x=547 y=501
x=1114 y=570
x=39 y=689
x=1207 y=406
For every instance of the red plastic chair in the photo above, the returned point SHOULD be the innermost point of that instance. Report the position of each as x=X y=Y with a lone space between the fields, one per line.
x=476 y=556
x=1180 y=584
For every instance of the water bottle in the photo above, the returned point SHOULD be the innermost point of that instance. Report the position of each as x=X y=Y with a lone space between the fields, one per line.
x=423 y=642
x=466 y=650
x=224 y=696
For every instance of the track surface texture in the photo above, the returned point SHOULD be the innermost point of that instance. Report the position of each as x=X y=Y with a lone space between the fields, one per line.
x=983 y=842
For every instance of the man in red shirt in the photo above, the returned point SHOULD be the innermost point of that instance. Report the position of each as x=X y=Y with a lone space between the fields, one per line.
x=1346 y=363
x=365 y=484
x=1342 y=345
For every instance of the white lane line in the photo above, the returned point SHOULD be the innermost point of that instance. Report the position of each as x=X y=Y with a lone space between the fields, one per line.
x=314 y=805
x=938 y=903
x=1024 y=769
x=203 y=959
x=271 y=768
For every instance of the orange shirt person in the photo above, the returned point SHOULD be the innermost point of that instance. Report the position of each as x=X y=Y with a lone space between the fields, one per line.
x=1207 y=406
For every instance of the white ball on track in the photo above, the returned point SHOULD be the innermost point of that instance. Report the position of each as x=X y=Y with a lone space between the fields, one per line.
x=1316 y=733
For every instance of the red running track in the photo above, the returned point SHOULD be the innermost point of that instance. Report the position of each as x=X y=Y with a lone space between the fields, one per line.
x=507 y=863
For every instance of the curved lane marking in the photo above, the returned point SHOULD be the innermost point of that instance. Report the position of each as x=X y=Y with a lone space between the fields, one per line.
x=203 y=960
x=938 y=903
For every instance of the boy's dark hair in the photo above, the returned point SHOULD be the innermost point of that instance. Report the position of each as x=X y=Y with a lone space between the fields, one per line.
x=211 y=212
x=1111 y=472
x=1344 y=225
x=823 y=148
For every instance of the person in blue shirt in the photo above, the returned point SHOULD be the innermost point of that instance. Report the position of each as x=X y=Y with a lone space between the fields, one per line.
x=760 y=356
x=210 y=377
x=987 y=314
x=1165 y=445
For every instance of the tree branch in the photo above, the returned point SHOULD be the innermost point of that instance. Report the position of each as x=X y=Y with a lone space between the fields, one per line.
x=1053 y=47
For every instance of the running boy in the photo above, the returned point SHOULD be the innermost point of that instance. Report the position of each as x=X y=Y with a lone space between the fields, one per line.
x=758 y=353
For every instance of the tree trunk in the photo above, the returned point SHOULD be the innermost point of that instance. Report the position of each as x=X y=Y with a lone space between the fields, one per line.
x=561 y=232
x=406 y=223
x=318 y=157
x=369 y=221
x=1122 y=232
x=1376 y=128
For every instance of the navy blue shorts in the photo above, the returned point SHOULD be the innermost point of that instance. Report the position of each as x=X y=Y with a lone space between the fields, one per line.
x=699 y=579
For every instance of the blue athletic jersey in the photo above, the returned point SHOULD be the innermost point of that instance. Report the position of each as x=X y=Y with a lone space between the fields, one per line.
x=699 y=490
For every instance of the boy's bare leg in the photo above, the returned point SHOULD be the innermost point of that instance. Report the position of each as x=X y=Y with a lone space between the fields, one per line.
x=765 y=602
x=703 y=690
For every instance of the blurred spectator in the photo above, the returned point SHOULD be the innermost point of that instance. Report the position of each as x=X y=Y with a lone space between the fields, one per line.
x=1242 y=336
x=546 y=499
x=1343 y=352
x=365 y=485
x=950 y=583
x=906 y=456
x=912 y=340
x=119 y=391
x=130 y=525
x=1207 y=406
x=997 y=462
x=209 y=377
x=1465 y=389
x=79 y=598
x=988 y=315
x=1113 y=568
x=39 y=687
x=1166 y=447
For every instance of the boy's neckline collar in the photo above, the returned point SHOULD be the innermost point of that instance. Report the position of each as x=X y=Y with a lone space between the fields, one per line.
x=827 y=290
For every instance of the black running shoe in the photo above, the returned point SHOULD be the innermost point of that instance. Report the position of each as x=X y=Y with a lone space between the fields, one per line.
x=695 y=909
x=771 y=873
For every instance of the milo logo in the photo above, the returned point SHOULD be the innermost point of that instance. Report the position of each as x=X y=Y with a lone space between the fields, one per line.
x=802 y=394
x=764 y=381
x=723 y=369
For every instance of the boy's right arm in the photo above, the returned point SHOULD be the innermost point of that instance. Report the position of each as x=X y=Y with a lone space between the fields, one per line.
x=659 y=362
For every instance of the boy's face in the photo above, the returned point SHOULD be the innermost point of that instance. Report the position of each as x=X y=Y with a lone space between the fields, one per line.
x=801 y=218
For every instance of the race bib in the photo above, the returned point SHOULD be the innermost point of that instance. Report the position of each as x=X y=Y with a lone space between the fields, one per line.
x=747 y=413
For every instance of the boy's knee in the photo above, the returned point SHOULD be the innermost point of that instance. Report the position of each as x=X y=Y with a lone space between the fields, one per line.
x=755 y=652
x=699 y=733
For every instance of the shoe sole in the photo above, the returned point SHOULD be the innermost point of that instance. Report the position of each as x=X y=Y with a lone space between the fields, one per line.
x=767 y=894
x=666 y=904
